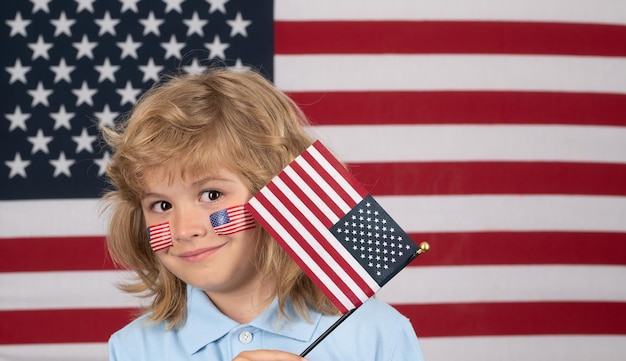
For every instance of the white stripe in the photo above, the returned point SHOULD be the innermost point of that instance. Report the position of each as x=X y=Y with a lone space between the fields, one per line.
x=524 y=348
x=328 y=190
x=415 y=214
x=59 y=290
x=414 y=284
x=507 y=213
x=578 y=11
x=96 y=351
x=450 y=72
x=332 y=241
x=460 y=284
x=278 y=228
x=50 y=218
x=602 y=144
x=335 y=175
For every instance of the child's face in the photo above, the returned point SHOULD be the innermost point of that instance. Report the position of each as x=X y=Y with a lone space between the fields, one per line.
x=198 y=256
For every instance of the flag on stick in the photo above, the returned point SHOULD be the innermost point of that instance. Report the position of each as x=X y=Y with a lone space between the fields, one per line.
x=329 y=224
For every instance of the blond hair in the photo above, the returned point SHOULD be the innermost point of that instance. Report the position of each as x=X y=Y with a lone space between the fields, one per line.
x=220 y=118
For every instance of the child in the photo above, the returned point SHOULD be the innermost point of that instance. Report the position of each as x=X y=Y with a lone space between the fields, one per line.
x=193 y=146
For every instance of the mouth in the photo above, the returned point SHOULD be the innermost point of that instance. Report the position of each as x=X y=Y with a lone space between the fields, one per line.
x=200 y=254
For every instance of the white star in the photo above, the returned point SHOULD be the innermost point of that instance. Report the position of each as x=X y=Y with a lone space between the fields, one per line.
x=106 y=117
x=217 y=5
x=62 y=25
x=238 y=26
x=102 y=163
x=18 y=25
x=62 y=165
x=194 y=25
x=83 y=142
x=107 y=71
x=194 y=68
x=173 y=5
x=150 y=71
x=40 y=48
x=84 y=94
x=172 y=48
x=18 y=72
x=17 y=119
x=128 y=94
x=129 y=47
x=40 y=142
x=129 y=5
x=85 y=47
x=62 y=118
x=106 y=24
x=151 y=25
x=62 y=71
x=18 y=166
x=40 y=95
x=217 y=48
x=84 y=5
x=40 y=5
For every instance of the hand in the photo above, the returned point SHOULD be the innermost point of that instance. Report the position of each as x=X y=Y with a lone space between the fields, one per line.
x=267 y=355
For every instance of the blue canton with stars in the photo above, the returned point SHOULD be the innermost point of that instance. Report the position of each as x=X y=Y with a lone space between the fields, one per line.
x=375 y=240
x=71 y=65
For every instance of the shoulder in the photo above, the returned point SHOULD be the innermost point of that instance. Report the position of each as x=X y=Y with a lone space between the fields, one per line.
x=136 y=337
x=379 y=314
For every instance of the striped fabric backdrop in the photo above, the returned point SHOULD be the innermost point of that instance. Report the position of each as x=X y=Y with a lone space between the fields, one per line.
x=494 y=130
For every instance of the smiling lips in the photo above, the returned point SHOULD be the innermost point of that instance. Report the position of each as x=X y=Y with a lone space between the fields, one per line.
x=198 y=255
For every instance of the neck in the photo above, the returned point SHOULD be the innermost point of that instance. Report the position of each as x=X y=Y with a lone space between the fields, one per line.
x=245 y=305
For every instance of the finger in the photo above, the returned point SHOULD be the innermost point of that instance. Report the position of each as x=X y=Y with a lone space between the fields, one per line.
x=267 y=355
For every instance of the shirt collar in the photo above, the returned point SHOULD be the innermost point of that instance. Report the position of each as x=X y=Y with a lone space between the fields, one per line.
x=206 y=324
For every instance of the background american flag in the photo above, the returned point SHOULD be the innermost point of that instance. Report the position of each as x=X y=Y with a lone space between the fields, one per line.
x=496 y=130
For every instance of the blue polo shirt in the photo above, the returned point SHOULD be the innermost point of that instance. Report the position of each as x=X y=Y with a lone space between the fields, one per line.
x=375 y=331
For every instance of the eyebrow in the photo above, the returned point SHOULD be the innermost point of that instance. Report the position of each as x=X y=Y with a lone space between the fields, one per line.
x=210 y=179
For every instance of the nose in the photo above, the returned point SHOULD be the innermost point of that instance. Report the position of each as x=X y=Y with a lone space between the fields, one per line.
x=189 y=223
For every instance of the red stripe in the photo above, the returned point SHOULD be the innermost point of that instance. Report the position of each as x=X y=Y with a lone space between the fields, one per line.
x=450 y=248
x=61 y=326
x=427 y=178
x=307 y=248
x=54 y=254
x=522 y=248
x=532 y=318
x=429 y=320
x=448 y=37
x=450 y=107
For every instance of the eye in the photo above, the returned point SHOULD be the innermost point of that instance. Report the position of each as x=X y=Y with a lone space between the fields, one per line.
x=160 y=206
x=210 y=195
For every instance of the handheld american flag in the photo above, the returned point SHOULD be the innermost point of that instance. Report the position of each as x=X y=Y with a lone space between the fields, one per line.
x=329 y=224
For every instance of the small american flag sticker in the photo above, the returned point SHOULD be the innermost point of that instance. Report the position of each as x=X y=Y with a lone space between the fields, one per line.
x=232 y=220
x=160 y=236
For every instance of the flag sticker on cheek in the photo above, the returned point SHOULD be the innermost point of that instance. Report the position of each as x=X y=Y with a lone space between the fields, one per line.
x=160 y=236
x=232 y=220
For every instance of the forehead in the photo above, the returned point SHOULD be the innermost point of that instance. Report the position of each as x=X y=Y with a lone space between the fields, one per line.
x=172 y=172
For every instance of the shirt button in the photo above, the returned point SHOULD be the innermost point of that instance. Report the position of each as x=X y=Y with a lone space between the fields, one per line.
x=245 y=337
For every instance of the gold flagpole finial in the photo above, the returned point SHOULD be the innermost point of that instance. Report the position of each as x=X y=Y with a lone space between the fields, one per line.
x=423 y=247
